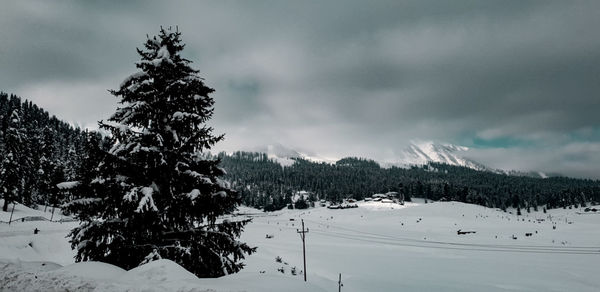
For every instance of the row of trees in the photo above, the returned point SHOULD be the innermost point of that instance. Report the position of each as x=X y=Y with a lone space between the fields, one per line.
x=37 y=152
x=263 y=181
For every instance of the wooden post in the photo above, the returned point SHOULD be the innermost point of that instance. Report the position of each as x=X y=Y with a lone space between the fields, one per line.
x=303 y=236
x=11 y=213
x=340 y=283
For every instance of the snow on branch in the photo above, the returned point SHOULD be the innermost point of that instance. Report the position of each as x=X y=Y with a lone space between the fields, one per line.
x=152 y=256
x=221 y=194
x=121 y=127
x=200 y=176
x=132 y=77
x=67 y=185
x=177 y=116
x=162 y=55
x=82 y=201
x=193 y=194
x=147 y=202
x=223 y=183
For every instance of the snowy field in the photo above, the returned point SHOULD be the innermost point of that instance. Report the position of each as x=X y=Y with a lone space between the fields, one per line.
x=376 y=247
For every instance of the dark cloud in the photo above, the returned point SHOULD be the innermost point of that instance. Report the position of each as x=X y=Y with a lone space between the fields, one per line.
x=339 y=77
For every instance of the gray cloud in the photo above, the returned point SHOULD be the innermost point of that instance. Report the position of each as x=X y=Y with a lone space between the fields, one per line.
x=579 y=159
x=338 y=78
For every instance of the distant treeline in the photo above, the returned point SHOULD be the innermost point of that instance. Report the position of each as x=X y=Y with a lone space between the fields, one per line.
x=265 y=183
x=37 y=152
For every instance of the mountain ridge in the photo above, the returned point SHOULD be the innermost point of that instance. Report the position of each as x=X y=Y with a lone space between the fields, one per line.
x=416 y=153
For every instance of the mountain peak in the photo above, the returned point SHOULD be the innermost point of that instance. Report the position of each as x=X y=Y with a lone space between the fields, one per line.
x=277 y=150
x=424 y=152
x=285 y=155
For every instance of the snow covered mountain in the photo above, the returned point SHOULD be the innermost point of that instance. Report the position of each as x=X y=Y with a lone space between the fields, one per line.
x=416 y=153
x=420 y=153
x=277 y=150
x=285 y=155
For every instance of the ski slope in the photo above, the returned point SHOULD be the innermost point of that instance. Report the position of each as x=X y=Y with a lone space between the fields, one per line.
x=376 y=247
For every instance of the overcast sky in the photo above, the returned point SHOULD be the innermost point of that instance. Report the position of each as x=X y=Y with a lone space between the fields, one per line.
x=516 y=81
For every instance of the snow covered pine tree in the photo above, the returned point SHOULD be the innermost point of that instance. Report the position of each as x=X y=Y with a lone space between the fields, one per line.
x=156 y=195
x=10 y=167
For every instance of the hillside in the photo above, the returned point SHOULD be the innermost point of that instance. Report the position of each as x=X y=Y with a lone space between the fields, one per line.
x=39 y=151
x=263 y=181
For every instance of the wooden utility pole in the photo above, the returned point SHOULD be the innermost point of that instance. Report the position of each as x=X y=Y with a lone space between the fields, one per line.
x=303 y=236
x=340 y=283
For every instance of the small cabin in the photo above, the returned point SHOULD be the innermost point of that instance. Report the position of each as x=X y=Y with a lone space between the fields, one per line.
x=396 y=195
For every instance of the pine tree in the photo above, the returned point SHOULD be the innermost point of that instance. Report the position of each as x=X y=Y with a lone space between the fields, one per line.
x=93 y=151
x=11 y=183
x=47 y=163
x=156 y=194
x=30 y=156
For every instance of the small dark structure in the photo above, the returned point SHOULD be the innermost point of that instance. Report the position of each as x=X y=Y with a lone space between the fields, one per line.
x=460 y=232
x=36 y=231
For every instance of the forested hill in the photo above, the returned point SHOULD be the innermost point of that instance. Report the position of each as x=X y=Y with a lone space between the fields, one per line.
x=37 y=151
x=264 y=182
x=45 y=151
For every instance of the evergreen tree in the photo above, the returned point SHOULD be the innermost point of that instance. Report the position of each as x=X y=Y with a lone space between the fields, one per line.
x=94 y=151
x=47 y=163
x=11 y=181
x=156 y=194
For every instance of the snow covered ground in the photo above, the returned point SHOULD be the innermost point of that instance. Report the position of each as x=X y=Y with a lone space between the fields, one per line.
x=376 y=247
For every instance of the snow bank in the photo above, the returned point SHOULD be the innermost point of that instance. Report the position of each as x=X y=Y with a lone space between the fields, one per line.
x=93 y=270
x=160 y=275
x=160 y=271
